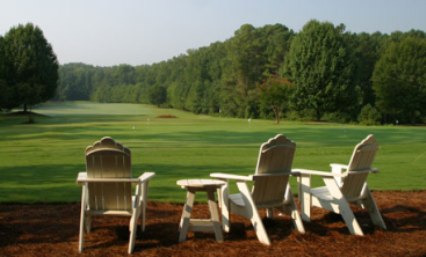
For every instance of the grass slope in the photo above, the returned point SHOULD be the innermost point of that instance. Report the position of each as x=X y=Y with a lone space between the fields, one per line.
x=39 y=162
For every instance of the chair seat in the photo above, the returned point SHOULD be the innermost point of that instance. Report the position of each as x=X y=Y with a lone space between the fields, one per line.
x=322 y=193
x=236 y=199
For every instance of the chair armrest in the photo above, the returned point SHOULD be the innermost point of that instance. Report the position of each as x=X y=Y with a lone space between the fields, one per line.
x=82 y=178
x=231 y=177
x=338 y=166
x=271 y=175
x=343 y=167
x=301 y=172
x=374 y=170
x=146 y=176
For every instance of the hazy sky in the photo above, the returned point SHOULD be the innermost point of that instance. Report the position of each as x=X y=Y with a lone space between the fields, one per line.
x=111 y=32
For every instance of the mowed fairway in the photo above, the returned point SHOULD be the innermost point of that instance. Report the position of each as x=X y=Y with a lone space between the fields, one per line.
x=40 y=162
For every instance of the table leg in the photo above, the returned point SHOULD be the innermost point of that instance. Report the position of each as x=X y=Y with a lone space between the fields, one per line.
x=186 y=215
x=217 y=228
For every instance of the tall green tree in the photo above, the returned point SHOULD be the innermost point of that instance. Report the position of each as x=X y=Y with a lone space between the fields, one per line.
x=275 y=95
x=399 y=80
x=319 y=64
x=32 y=67
x=253 y=55
x=158 y=95
x=75 y=81
x=4 y=88
x=247 y=61
x=366 y=50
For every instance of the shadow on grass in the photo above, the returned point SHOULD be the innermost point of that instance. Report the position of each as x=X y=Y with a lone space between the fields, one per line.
x=57 y=183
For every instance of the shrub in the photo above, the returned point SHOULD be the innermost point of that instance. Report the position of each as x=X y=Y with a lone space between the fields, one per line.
x=369 y=115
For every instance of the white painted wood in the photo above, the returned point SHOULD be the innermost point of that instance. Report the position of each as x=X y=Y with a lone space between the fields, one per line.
x=344 y=208
x=201 y=225
x=224 y=196
x=106 y=187
x=252 y=214
x=133 y=229
x=315 y=172
x=214 y=216
x=270 y=188
x=373 y=210
x=305 y=196
x=343 y=185
x=294 y=214
x=186 y=216
x=231 y=176
x=338 y=170
x=82 y=218
x=210 y=186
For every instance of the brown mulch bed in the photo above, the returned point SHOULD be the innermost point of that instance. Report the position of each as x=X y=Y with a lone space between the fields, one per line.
x=52 y=230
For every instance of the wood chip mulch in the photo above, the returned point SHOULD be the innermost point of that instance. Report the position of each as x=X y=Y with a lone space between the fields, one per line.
x=52 y=230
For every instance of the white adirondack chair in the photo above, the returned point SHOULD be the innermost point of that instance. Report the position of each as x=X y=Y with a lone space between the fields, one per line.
x=343 y=185
x=271 y=188
x=106 y=187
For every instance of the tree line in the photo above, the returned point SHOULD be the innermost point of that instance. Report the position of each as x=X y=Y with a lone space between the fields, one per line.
x=322 y=72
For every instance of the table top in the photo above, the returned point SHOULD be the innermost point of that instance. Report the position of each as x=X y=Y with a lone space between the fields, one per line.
x=200 y=183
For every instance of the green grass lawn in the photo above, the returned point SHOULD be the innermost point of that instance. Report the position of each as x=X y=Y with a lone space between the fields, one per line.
x=40 y=162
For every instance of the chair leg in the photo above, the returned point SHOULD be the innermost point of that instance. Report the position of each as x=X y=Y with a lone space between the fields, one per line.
x=344 y=208
x=252 y=214
x=133 y=227
x=270 y=213
x=143 y=204
x=88 y=223
x=224 y=205
x=82 y=218
x=295 y=214
x=143 y=215
x=373 y=210
x=305 y=197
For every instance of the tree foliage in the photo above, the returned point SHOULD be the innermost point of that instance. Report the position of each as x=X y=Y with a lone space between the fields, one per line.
x=369 y=115
x=331 y=72
x=158 y=95
x=5 y=90
x=399 y=80
x=31 y=67
x=275 y=95
x=319 y=64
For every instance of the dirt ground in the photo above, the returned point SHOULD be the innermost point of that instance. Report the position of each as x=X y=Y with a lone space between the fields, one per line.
x=52 y=230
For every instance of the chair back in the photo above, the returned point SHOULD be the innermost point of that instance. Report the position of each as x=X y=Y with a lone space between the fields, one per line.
x=273 y=170
x=109 y=159
x=360 y=162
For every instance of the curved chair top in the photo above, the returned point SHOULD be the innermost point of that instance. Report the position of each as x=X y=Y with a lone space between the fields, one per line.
x=276 y=155
x=363 y=155
x=107 y=143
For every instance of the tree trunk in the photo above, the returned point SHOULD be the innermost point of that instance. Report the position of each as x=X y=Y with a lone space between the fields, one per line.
x=25 y=108
x=318 y=114
x=277 y=115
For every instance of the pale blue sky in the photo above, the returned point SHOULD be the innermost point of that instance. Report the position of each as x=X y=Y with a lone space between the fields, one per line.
x=111 y=32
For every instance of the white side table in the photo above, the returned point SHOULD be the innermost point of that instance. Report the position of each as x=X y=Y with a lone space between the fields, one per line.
x=213 y=224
